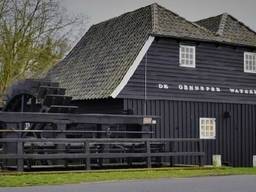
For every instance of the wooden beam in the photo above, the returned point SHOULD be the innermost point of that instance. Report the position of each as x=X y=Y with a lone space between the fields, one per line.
x=98 y=155
x=17 y=117
x=99 y=140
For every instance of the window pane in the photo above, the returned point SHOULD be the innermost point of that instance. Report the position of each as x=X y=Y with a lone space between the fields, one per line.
x=187 y=56
x=207 y=128
x=250 y=62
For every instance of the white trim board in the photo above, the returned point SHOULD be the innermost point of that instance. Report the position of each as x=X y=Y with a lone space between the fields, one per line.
x=133 y=67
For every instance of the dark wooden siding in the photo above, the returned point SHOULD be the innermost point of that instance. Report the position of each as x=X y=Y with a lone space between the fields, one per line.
x=216 y=66
x=235 y=139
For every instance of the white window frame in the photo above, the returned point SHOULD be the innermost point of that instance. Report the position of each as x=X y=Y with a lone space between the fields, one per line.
x=193 y=65
x=252 y=54
x=214 y=128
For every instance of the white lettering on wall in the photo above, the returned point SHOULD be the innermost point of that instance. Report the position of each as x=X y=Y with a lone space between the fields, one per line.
x=198 y=88
x=243 y=91
x=202 y=88
x=163 y=86
x=185 y=87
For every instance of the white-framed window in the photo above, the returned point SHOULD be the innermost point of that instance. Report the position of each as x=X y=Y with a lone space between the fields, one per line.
x=250 y=62
x=187 y=56
x=207 y=128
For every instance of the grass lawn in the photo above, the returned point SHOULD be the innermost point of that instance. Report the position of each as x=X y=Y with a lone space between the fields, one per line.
x=43 y=178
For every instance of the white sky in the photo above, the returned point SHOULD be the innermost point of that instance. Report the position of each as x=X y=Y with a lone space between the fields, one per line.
x=100 y=10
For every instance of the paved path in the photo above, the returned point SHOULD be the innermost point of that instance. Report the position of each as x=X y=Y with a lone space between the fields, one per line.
x=200 y=184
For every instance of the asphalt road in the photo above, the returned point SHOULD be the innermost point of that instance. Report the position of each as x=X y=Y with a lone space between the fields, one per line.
x=199 y=184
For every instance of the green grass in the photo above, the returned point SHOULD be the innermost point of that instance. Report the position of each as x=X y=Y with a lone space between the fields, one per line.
x=54 y=178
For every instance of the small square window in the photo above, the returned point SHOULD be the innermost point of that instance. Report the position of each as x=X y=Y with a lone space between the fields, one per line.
x=207 y=128
x=187 y=56
x=250 y=62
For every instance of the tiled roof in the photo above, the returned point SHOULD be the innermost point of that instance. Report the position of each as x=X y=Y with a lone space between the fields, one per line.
x=99 y=62
x=229 y=29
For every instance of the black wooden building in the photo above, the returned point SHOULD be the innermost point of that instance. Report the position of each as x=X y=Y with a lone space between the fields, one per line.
x=199 y=77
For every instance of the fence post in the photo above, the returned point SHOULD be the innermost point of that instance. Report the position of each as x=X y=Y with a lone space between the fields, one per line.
x=106 y=146
x=87 y=151
x=172 y=149
x=61 y=126
x=20 y=150
x=200 y=149
x=20 y=153
x=149 y=165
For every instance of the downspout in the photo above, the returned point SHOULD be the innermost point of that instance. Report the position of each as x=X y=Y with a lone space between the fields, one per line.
x=145 y=84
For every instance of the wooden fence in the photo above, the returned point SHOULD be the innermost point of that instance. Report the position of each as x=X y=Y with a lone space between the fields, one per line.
x=141 y=145
x=147 y=150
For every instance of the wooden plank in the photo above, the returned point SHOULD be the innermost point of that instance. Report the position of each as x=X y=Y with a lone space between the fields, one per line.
x=116 y=140
x=17 y=117
x=97 y=155
x=148 y=154
x=200 y=158
x=70 y=131
x=88 y=160
x=20 y=154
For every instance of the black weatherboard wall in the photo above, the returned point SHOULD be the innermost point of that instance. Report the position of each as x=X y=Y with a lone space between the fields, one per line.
x=106 y=57
x=217 y=66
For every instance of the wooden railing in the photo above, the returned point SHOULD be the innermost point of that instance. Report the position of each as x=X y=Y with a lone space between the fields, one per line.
x=18 y=149
x=149 y=148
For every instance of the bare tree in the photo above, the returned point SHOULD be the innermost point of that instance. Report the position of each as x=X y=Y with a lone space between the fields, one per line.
x=33 y=37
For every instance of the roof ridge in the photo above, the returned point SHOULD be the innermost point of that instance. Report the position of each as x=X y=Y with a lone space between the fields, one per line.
x=222 y=24
x=154 y=10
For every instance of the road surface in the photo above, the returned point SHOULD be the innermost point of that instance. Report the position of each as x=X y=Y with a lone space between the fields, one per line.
x=198 y=184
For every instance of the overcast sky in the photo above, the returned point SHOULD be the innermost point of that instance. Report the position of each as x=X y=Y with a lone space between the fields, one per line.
x=100 y=10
